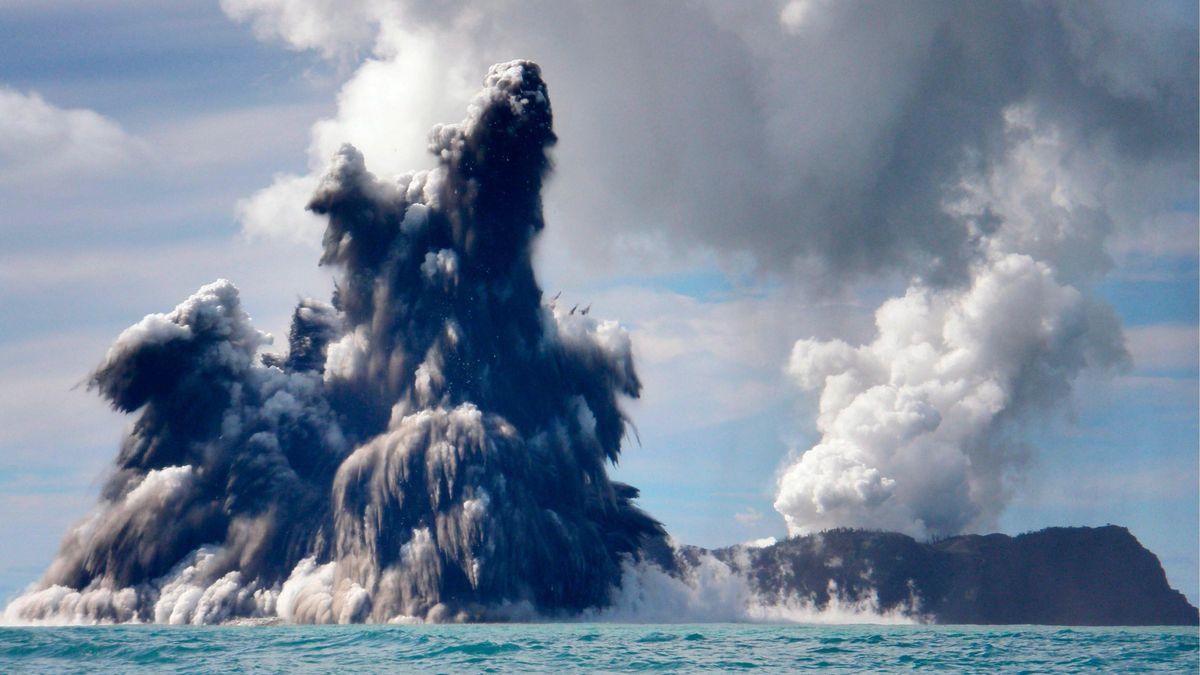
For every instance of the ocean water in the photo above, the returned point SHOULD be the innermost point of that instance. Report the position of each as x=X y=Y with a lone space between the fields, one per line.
x=595 y=647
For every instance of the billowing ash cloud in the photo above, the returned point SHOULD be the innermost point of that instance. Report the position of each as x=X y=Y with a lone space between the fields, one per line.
x=814 y=137
x=433 y=445
x=985 y=150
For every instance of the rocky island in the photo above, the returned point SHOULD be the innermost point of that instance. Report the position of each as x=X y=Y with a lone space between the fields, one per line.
x=1096 y=576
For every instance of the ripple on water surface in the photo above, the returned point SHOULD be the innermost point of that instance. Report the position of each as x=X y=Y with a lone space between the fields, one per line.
x=608 y=647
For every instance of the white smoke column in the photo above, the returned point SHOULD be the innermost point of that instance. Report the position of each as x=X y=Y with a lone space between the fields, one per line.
x=920 y=427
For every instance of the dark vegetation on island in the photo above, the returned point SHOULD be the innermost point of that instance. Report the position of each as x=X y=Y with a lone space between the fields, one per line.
x=1099 y=576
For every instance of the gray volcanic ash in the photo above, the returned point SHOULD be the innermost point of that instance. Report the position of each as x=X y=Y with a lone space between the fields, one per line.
x=433 y=445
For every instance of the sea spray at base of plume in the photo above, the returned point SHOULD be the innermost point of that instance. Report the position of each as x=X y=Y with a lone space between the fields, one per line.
x=706 y=591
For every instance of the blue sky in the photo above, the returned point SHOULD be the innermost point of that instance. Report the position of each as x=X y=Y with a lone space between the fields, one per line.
x=206 y=114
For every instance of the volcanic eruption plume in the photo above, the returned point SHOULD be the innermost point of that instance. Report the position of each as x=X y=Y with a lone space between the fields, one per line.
x=433 y=444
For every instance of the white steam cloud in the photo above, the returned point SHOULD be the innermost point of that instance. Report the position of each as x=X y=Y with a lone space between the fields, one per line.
x=920 y=428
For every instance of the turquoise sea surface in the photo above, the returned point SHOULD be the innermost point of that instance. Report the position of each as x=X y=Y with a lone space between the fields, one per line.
x=595 y=647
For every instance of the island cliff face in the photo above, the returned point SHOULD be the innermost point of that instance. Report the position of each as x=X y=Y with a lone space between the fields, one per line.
x=1061 y=575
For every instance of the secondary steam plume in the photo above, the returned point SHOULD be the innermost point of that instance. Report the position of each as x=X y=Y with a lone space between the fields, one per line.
x=913 y=423
x=433 y=445
x=921 y=428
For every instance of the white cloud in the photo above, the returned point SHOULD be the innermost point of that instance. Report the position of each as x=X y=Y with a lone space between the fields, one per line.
x=796 y=14
x=708 y=362
x=821 y=156
x=277 y=212
x=329 y=26
x=760 y=543
x=38 y=139
x=386 y=108
x=1164 y=233
x=1164 y=347
x=748 y=516
x=233 y=137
